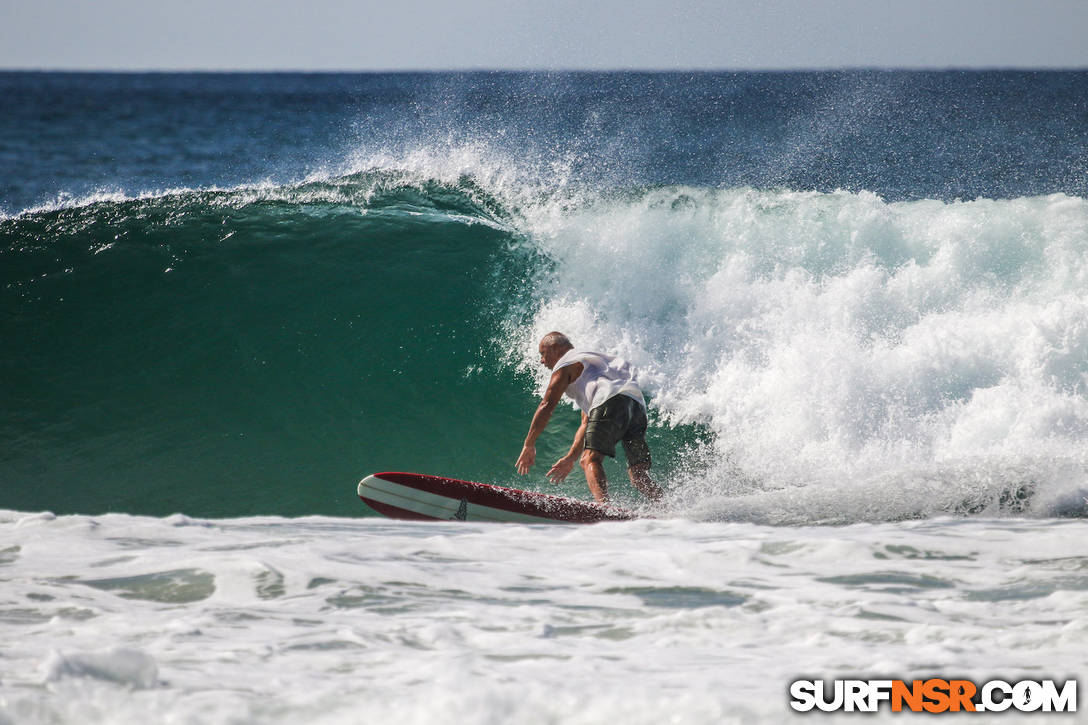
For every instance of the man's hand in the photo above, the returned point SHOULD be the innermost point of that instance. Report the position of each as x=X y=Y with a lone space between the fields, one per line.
x=526 y=459
x=557 y=385
x=561 y=469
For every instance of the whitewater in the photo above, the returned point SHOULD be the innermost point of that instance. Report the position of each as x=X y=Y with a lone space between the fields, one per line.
x=128 y=619
x=865 y=353
x=931 y=354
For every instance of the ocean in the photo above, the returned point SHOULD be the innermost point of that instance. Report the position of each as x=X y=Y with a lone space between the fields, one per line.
x=857 y=300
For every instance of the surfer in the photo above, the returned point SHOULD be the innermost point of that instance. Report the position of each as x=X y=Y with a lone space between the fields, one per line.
x=613 y=410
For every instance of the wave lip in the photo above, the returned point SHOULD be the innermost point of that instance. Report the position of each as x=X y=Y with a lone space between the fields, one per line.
x=370 y=189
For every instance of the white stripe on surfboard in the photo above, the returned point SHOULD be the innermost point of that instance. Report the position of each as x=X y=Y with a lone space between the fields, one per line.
x=438 y=506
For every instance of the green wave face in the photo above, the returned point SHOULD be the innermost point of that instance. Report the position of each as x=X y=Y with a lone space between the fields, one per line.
x=226 y=353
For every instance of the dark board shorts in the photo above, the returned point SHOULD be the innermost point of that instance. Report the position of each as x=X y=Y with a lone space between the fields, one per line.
x=620 y=418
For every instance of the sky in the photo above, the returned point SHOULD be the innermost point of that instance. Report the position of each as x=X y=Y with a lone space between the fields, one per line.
x=362 y=35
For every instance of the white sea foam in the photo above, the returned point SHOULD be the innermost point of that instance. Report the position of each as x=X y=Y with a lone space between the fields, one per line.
x=130 y=619
x=126 y=667
x=932 y=354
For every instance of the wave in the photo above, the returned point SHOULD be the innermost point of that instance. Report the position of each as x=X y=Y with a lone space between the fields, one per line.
x=244 y=350
x=811 y=357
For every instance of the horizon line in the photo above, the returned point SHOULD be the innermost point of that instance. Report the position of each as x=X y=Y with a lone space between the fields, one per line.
x=558 y=69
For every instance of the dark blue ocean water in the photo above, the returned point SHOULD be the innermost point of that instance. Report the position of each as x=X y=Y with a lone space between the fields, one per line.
x=239 y=293
x=903 y=135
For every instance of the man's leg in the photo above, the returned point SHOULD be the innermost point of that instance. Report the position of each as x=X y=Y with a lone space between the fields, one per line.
x=638 y=463
x=592 y=466
x=640 y=479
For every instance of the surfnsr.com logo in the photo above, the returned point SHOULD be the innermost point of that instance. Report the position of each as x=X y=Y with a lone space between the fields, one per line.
x=933 y=695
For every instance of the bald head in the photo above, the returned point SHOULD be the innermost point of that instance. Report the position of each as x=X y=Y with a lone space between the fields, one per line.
x=556 y=339
x=552 y=347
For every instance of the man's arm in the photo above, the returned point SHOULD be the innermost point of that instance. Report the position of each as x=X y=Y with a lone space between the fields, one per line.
x=565 y=465
x=560 y=381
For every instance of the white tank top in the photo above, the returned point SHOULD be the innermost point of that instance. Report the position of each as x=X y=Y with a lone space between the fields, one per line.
x=603 y=376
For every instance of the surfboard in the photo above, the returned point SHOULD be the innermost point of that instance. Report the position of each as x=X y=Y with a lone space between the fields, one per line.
x=434 y=498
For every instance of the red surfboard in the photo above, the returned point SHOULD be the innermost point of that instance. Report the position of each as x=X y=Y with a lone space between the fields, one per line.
x=434 y=498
